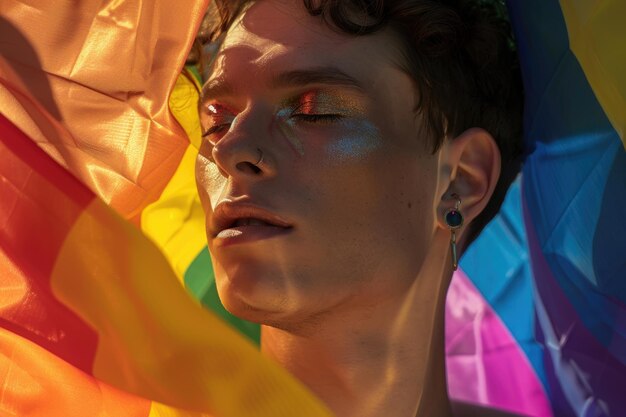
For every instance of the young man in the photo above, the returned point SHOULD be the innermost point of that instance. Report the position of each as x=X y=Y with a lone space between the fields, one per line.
x=339 y=137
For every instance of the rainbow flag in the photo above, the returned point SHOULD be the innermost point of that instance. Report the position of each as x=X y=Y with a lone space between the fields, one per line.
x=101 y=224
x=551 y=265
x=92 y=304
x=94 y=319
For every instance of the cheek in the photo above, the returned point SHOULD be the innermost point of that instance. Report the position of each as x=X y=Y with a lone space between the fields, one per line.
x=411 y=181
x=370 y=181
x=353 y=145
x=378 y=190
x=209 y=181
x=342 y=171
x=361 y=143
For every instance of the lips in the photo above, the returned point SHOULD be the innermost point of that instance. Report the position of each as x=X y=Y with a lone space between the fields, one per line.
x=239 y=222
x=250 y=221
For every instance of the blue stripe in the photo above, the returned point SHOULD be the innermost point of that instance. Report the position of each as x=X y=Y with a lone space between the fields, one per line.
x=575 y=191
x=498 y=264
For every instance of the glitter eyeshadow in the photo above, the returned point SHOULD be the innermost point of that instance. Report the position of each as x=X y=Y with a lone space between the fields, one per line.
x=331 y=102
x=317 y=102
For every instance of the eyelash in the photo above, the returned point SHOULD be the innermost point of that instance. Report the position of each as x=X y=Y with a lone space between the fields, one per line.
x=310 y=118
x=316 y=118
x=215 y=129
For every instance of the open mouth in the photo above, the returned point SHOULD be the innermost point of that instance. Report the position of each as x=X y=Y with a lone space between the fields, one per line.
x=251 y=221
x=238 y=223
x=248 y=226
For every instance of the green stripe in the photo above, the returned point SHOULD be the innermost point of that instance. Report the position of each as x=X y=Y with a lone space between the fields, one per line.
x=200 y=282
x=196 y=73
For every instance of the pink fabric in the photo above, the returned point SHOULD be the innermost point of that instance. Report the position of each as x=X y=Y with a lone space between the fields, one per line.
x=484 y=363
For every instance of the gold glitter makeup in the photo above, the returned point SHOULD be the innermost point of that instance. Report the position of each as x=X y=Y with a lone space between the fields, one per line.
x=321 y=104
x=330 y=102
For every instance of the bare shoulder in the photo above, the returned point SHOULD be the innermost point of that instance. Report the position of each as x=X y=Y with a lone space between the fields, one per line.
x=471 y=410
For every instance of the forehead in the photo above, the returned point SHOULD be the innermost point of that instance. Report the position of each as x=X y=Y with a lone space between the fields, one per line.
x=279 y=35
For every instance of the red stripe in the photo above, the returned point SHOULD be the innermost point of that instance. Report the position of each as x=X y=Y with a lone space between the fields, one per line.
x=39 y=203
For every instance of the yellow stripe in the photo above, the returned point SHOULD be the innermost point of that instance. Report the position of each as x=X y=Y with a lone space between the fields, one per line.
x=184 y=106
x=175 y=222
x=154 y=339
x=597 y=34
x=161 y=410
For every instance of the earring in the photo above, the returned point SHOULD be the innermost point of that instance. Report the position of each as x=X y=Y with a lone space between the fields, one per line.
x=260 y=157
x=454 y=220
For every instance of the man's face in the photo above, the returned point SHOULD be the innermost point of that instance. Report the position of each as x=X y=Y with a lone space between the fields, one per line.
x=346 y=186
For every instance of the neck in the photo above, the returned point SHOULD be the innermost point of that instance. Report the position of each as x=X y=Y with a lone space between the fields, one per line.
x=369 y=361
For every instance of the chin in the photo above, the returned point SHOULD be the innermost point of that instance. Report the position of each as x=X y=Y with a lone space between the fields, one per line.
x=270 y=296
x=249 y=292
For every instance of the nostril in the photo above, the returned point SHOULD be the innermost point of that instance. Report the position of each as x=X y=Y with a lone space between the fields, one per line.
x=248 y=168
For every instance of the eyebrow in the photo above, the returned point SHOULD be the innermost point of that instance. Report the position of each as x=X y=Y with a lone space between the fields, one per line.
x=216 y=87
x=219 y=87
x=318 y=75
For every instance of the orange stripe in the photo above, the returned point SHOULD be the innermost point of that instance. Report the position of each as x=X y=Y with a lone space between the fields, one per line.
x=154 y=339
x=96 y=92
x=39 y=203
x=35 y=383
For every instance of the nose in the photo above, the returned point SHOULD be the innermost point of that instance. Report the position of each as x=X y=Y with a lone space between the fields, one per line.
x=243 y=152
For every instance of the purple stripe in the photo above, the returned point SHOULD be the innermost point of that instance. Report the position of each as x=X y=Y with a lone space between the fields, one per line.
x=589 y=376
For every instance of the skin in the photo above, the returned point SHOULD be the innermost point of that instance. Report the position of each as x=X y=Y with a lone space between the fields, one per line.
x=351 y=300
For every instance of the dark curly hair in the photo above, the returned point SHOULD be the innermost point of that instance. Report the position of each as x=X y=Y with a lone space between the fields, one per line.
x=460 y=53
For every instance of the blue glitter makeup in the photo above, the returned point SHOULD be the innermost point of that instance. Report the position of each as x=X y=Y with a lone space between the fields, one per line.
x=363 y=138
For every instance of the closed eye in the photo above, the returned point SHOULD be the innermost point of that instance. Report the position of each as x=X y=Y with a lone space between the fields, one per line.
x=317 y=118
x=215 y=129
x=217 y=118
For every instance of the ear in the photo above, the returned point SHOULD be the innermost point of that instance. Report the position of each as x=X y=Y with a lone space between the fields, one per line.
x=472 y=161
